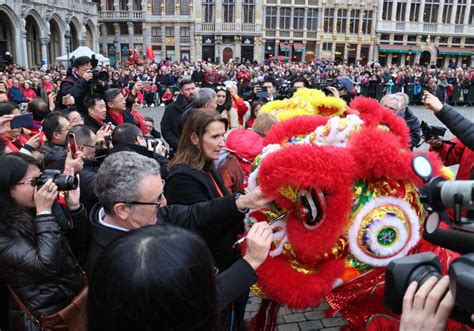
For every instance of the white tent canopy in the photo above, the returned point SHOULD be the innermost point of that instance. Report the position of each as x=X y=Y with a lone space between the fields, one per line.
x=85 y=51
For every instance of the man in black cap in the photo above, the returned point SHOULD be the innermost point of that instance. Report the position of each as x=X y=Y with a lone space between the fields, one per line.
x=77 y=83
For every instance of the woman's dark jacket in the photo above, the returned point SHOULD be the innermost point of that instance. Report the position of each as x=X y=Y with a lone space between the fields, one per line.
x=37 y=264
x=460 y=126
x=186 y=186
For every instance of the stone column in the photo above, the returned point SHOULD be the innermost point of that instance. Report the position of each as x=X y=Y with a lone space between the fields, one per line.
x=163 y=42
x=238 y=47
x=408 y=11
x=358 y=53
x=303 y=54
x=130 y=35
x=453 y=13
x=198 y=49
x=389 y=59
x=468 y=8
x=103 y=32
x=373 y=53
x=23 y=43
x=393 y=15
x=422 y=10
x=258 y=49
x=44 y=51
x=145 y=36
x=118 y=50
x=177 y=49
x=439 y=19
x=193 y=55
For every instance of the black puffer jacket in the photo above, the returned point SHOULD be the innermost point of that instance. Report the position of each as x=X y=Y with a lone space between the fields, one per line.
x=462 y=127
x=37 y=264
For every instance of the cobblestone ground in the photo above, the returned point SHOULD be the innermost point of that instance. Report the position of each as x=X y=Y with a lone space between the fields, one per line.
x=297 y=319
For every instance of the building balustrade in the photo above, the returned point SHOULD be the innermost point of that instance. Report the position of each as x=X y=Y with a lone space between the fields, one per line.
x=121 y=15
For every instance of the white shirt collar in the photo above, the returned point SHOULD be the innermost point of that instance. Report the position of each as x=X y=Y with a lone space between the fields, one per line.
x=101 y=221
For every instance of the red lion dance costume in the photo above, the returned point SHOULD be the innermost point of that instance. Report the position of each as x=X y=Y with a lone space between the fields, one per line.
x=344 y=178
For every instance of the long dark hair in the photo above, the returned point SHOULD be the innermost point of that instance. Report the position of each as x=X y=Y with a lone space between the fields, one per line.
x=228 y=99
x=197 y=123
x=154 y=278
x=14 y=218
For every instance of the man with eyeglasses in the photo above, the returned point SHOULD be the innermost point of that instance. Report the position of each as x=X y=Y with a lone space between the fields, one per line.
x=56 y=127
x=130 y=192
x=86 y=141
x=117 y=108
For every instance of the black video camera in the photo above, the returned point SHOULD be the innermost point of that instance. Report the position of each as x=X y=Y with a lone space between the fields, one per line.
x=63 y=182
x=457 y=236
x=431 y=131
x=286 y=91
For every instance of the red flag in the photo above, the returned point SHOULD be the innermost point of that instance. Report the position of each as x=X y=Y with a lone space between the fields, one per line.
x=149 y=53
x=136 y=55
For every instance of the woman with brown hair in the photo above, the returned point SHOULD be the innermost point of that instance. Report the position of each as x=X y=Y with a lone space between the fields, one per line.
x=193 y=178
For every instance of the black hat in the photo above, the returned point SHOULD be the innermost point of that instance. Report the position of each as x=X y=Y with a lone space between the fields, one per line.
x=81 y=60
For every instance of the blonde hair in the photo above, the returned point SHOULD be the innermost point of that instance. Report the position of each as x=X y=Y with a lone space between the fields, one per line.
x=263 y=123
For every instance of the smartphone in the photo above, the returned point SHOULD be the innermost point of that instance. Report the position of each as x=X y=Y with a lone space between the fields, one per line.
x=263 y=93
x=22 y=121
x=131 y=85
x=65 y=98
x=72 y=144
x=146 y=83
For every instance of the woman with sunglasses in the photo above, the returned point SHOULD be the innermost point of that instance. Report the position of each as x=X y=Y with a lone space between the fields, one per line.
x=224 y=107
x=35 y=260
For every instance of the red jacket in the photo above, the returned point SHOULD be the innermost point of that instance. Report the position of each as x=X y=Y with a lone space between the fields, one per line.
x=459 y=154
x=239 y=104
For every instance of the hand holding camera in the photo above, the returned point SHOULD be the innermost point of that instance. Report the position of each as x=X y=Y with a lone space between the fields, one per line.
x=73 y=195
x=88 y=75
x=427 y=308
x=45 y=197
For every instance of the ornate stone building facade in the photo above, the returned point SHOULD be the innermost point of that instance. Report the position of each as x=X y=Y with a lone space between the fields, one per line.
x=36 y=32
x=215 y=30
x=426 y=31
x=302 y=30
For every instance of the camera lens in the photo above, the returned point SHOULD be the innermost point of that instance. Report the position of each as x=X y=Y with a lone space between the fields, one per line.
x=66 y=183
x=423 y=273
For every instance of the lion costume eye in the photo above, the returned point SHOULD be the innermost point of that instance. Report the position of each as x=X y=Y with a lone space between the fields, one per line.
x=311 y=207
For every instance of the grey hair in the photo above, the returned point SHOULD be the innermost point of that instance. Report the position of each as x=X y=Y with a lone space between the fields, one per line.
x=120 y=176
x=391 y=97
x=203 y=96
x=405 y=99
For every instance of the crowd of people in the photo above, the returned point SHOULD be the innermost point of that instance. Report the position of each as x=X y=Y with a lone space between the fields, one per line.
x=85 y=178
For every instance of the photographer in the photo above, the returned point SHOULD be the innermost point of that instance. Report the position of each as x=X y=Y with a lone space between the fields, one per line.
x=460 y=126
x=81 y=81
x=35 y=261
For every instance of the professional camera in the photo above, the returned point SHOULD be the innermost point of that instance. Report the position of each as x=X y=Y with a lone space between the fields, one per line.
x=457 y=235
x=431 y=131
x=100 y=75
x=63 y=182
x=286 y=91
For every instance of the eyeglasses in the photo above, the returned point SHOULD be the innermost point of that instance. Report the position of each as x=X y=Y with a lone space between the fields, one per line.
x=156 y=203
x=32 y=181
x=91 y=146
x=220 y=88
